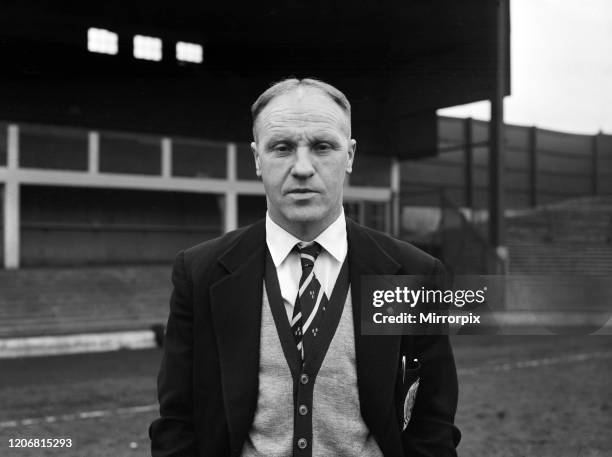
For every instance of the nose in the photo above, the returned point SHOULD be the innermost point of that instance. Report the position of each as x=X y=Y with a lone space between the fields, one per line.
x=302 y=167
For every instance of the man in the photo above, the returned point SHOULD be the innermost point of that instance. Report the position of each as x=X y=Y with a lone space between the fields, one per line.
x=263 y=353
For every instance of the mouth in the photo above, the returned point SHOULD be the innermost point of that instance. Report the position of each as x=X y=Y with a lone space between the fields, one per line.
x=302 y=191
x=302 y=194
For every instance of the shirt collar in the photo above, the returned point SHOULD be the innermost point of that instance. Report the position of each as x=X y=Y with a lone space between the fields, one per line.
x=332 y=239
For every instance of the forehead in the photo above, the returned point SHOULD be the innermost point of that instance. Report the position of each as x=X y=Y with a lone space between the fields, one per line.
x=302 y=108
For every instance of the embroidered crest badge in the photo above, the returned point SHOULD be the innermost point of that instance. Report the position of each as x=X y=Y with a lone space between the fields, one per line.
x=409 y=403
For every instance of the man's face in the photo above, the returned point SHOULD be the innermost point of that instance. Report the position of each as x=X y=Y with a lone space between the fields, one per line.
x=302 y=152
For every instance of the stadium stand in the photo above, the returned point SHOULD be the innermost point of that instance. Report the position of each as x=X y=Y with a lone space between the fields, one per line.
x=47 y=301
x=573 y=237
x=96 y=244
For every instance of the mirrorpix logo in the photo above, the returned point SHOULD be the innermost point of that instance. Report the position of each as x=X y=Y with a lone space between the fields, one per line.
x=403 y=297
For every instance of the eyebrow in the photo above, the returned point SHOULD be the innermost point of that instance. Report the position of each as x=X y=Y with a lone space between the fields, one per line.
x=313 y=138
x=280 y=137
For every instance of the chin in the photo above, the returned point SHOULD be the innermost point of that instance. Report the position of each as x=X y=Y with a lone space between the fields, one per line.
x=304 y=215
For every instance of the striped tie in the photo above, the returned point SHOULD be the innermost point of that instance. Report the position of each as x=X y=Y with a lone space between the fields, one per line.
x=310 y=296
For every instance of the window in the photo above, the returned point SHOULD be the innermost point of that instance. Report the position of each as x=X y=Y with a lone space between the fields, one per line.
x=245 y=163
x=147 y=48
x=189 y=52
x=3 y=144
x=102 y=41
x=199 y=159
x=129 y=153
x=52 y=148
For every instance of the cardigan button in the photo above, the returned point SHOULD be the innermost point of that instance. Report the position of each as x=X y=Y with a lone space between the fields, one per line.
x=303 y=410
x=302 y=443
x=304 y=378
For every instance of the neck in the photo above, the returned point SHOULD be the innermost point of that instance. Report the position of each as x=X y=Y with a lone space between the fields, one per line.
x=305 y=231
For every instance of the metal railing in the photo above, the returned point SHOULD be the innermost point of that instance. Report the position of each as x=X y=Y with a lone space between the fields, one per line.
x=454 y=238
x=463 y=247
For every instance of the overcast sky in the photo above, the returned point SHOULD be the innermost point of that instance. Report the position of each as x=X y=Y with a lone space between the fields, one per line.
x=561 y=67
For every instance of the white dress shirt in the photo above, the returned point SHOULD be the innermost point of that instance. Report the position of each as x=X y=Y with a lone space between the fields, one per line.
x=287 y=261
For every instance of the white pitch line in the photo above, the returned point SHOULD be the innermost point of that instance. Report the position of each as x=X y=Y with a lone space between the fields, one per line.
x=534 y=363
x=80 y=416
x=75 y=344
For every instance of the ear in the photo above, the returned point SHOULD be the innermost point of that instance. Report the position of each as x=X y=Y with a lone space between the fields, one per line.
x=351 y=155
x=256 y=157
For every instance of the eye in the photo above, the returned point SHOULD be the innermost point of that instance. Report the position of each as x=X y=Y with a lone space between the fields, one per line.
x=281 y=148
x=323 y=147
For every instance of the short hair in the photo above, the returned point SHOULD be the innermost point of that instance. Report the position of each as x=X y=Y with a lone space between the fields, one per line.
x=291 y=84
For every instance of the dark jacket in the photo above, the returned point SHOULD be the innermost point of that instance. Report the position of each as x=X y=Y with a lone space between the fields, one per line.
x=208 y=381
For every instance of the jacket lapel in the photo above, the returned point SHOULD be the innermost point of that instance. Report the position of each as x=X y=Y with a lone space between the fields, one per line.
x=236 y=316
x=377 y=356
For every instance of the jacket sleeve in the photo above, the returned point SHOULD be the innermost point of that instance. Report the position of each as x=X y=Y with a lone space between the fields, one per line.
x=431 y=430
x=172 y=434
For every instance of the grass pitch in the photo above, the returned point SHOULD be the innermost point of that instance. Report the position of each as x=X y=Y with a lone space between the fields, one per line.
x=519 y=396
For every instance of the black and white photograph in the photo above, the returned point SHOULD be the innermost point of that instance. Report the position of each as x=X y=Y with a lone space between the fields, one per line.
x=306 y=229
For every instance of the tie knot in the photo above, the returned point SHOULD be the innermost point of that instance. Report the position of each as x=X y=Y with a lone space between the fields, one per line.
x=308 y=253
